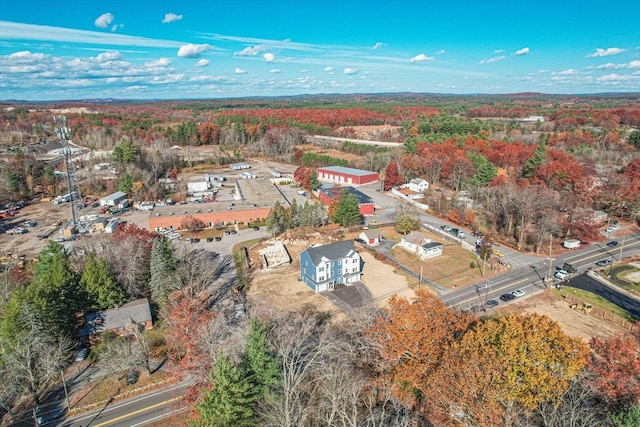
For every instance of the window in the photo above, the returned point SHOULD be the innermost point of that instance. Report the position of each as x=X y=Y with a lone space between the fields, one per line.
x=339 y=262
x=355 y=269
x=321 y=278
x=340 y=271
x=321 y=269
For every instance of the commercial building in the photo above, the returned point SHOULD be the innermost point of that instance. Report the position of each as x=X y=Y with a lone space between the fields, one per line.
x=327 y=194
x=113 y=199
x=344 y=175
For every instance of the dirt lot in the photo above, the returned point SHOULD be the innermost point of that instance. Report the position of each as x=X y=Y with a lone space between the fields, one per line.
x=279 y=288
x=572 y=322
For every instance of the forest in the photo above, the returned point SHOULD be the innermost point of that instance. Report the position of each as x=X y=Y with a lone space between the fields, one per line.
x=414 y=362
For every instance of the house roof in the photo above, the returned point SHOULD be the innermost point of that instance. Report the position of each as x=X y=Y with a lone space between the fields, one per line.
x=363 y=199
x=416 y=238
x=417 y=181
x=137 y=311
x=331 y=251
x=371 y=234
x=431 y=245
x=345 y=170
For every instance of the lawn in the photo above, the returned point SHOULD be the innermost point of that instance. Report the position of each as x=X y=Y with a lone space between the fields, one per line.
x=595 y=301
x=626 y=276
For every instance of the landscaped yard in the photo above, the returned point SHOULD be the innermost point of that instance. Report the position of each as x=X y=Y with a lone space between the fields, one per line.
x=627 y=276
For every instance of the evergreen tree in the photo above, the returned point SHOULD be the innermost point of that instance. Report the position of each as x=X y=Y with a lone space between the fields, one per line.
x=314 y=184
x=125 y=183
x=230 y=402
x=347 y=212
x=101 y=290
x=295 y=214
x=274 y=219
x=628 y=418
x=485 y=170
x=259 y=362
x=54 y=293
x=537 y=159
x=162 y=265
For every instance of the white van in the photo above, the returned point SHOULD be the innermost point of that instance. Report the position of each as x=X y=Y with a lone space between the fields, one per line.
x=561 y=274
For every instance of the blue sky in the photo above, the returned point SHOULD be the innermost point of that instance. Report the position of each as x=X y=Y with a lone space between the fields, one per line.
x=142 y=49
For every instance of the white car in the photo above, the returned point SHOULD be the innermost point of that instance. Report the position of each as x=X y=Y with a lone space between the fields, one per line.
x=18 y=230
x=518 y=293
x=561 y=274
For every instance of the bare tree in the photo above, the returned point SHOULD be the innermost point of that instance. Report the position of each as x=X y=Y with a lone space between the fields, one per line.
x=575 y=408
x=34 y=358
x=198 y=271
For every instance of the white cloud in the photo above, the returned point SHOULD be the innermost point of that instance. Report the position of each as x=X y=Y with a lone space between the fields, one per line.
x=522 y=51
x=494 y=59
x=275 y=70
x=497 y=51
x=171 y=17
x=269 y=57
x=202 y=63
x=117 y=27
x=606 y=52
x=421 y=58
x=567 y=72
x=162 y=62
x=104 y=20
x=616 y=78
x=240 y=71
x=440 y=52
x=108 y=56
x=377 y=45
x=349 y=71
x=328 y=69
x=250 y=50
x=192 y=50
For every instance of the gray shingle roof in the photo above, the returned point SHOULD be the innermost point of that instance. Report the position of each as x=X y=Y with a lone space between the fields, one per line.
x=331 y=251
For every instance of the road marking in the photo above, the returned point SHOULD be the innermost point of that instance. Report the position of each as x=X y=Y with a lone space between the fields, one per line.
x=493 y=289
x=139 y=411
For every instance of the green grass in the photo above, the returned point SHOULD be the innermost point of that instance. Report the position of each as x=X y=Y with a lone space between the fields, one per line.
x=595 y=301
x=617 y=274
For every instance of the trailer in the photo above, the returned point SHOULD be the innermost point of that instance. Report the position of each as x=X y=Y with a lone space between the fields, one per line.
x=571 y=243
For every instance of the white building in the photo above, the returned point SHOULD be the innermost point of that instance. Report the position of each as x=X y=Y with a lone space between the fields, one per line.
x=418 y=185
x=420 y=245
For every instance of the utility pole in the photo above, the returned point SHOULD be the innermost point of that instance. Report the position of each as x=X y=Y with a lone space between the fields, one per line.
x=550 y=256
x=621 y=246
x=420 y=279
x=66 y=394
x=484 y=262
x=62 y=131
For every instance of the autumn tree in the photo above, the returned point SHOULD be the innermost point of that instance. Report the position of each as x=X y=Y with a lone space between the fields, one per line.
x=616 y=370
x=392 y=176
x=191 y=223
x=132 y=270
x=520 y=361
x=413 y=337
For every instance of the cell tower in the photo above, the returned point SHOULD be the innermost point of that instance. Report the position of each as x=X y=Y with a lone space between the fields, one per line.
x=62 y=131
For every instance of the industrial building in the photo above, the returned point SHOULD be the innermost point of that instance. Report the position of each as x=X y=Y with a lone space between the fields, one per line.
x=344 y=175
x=327 y=194
x=113 y=199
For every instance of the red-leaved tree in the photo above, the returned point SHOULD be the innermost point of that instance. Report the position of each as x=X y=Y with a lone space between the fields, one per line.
x=391 y=176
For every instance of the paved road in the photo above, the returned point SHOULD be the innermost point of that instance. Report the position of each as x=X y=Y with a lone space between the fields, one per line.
x=136 y=411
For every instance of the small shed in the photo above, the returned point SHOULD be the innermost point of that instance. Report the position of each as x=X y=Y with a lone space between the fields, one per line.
x=370 y=237
x=239 y=166
x=100 y=224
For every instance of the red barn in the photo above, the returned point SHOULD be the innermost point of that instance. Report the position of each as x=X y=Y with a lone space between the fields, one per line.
x=367 y=207
x=343 y=175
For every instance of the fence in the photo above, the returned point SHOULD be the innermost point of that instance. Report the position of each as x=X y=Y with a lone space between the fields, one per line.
x=598 y=312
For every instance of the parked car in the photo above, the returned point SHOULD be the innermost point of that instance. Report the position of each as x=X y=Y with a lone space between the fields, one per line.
x=491 y=303
x=195 y=240
x=604 y=263
x=234 y=232
x=209 y=239
x=507 y=297
x=498 y=252
x=561 y=274
x=518 y=293
x=359 y=240
x=30 y=223
x=227 y=232
x=613 y=244
x=82 y=354
x=132 y=377
x=19 y=230
x=217 y=239
x=256 y=228
x=446 y=228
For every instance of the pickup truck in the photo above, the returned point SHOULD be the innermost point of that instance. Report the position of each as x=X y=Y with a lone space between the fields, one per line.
x=569 y=268
x=561 y=274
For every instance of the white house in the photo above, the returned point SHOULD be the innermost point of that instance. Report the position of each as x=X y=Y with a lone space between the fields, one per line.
x=418 y=185
x=420 y=245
